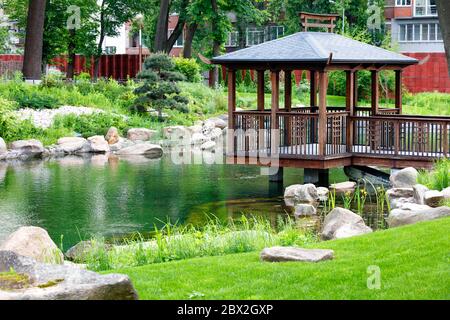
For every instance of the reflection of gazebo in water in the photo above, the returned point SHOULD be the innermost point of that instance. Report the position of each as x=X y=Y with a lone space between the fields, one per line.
x=320 y=136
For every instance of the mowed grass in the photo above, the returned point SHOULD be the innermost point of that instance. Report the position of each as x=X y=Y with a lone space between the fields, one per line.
x=414 y=263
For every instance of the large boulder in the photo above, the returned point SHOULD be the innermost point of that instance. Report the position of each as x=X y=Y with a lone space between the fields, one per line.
x=412 y=213
x=176 y=132
x=343 y=187
x=80 y=251
x=71 y=145
x=140 y=134
x=405 y=178
x=62 y=282
x=433 y=198
x=298 y=193
x=98 y=144
x=282 y=254
x=28 y=148
x=342 y=223
x=33 y=242
x=3 y=148
x=112 y=136
x=218 y=123
x=208 y=146
x=146 y=149
x=419 y=193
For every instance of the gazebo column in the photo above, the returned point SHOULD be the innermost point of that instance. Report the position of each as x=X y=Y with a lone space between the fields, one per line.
x=322 y=113
x=355 y=90
x=350 y=108
x=274 y=124
x=398 y=91
x=287 y=106
x=231 y=110
x=375 y=92
x=260 y=90
x=313 y=89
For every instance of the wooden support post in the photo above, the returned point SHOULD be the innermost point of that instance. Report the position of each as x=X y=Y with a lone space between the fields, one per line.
x=313 y=89
x=355 y=90
x=375 y=92
x=350 y=108
x=322 y=113
x=398 y=91
x=275 y=84
x=260 y=90
x=231 y=109
x=287 y=106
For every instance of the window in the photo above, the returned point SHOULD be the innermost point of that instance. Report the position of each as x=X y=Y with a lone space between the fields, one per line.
x=110 y=50
x=420 y=32
x=425 y=8
x=232 y=39
x=402 y=3
x=276 y=32
x=254 y=36
x=180 y=41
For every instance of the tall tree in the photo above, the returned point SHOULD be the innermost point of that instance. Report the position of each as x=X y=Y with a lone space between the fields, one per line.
x=443 y=7
x=34 y=39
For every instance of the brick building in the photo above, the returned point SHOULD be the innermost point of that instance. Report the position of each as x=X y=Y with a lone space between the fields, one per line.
x=415 y=30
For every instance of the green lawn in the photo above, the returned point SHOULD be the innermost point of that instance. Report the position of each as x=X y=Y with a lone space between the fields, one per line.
x=414 y=262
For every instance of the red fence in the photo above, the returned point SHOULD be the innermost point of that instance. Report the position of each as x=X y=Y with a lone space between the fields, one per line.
x=119 y=66
x=430 y=75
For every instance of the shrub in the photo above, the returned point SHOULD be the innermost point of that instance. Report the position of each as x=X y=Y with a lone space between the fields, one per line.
x=36 y=99
x=189 y=68
x=439 y=177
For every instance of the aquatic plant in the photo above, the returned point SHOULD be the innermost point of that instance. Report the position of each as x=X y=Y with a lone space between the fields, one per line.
x=348 y=199
x=439 y=177
x=177 y=242
x=360 y=197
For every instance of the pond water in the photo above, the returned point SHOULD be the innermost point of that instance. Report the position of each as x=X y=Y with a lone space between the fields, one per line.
x=78 y=198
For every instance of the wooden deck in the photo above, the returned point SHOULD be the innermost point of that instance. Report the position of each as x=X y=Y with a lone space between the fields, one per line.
x=386 y=139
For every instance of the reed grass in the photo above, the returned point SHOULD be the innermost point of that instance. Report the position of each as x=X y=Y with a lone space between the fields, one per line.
x=439 y=177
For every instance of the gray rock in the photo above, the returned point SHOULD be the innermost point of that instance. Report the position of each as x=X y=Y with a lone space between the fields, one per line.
x=322 y=193
x=412 y=213
x=446 y=193
x=419 y=193
x=3 y=148
x=27 y=148
x=342 y=223
x=433 y=198
x=198 y=139
x=80 y=251
x=147 y=149
x=195 y=129
x=71 y=145
x=141 y=134
x=283 y=254
x=304 y=209
x=112 y=136
x=301 y=193
x=219 y=123
x=399 y=196
x=405 y=178
x=215 y=134
x=98 y=144
x=63 y=282
x=33 y=242
x=175 y=132
x=343 y=187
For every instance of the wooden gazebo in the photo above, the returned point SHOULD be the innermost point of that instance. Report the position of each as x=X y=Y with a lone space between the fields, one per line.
x=320 y=136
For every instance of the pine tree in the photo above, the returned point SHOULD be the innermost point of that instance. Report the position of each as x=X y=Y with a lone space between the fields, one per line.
x=160 y=90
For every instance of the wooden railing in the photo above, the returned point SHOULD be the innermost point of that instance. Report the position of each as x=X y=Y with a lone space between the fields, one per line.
x=401 y=136
x=297 y=136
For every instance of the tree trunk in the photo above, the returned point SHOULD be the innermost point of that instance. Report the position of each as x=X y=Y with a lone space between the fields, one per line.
x=190 y=32
x=162 y=26
x=71 y=55
x=443 y=7
x=100 y=42
x=32 y=61
x=216 y=43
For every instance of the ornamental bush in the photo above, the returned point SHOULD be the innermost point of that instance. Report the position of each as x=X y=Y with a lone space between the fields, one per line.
x=189 y=68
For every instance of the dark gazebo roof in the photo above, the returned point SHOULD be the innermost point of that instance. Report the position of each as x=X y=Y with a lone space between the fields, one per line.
x=314 y=48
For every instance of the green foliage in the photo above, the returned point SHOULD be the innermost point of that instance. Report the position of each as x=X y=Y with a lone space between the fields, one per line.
x=439 y=177
x=189 y=68
x=413 y=261
x=36 y=100
x=427 y=103
x=160 y=89
x=174 y=242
